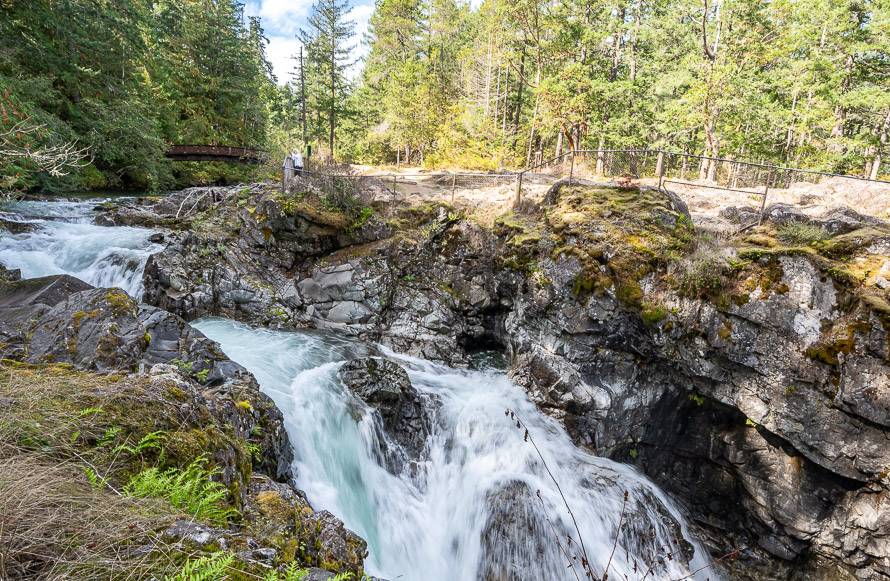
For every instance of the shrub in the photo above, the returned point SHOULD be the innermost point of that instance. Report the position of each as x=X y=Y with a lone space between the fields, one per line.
x=700 y=276
x=191 y=489
x=801 y=233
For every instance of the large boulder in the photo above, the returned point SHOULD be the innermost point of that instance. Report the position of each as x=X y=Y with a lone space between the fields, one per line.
x=60 y=319
x=385 y=386
x=844 y=220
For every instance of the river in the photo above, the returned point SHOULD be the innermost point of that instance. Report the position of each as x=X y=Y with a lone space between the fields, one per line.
x=469 y=508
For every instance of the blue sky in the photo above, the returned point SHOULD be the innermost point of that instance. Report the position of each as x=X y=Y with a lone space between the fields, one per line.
x=283 y=18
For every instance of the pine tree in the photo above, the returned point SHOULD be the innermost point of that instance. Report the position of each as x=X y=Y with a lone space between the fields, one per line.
x=327 y=43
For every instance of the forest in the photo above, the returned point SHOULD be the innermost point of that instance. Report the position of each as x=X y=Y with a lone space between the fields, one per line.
x=445 y=84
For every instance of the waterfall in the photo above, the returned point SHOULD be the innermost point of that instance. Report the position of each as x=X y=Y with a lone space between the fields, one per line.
x=469 y=510
x=60 y=238
x=478 y=504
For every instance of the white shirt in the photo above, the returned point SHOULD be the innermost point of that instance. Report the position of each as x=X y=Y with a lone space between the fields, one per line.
x=298 y=159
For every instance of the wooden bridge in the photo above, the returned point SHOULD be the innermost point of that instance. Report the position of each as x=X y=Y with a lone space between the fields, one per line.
x=216 y=153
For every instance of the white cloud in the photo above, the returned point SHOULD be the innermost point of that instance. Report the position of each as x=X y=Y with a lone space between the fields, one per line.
x=280 y=53
x=282 y=19
x=361 y=15
x=280 y=16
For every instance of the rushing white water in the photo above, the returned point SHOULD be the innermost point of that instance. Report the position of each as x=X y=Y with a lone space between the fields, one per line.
x=65 y=241
x=429 y=522
x=468 y=510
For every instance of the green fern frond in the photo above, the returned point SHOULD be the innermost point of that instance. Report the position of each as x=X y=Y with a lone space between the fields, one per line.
x=210 y=568
x=191 y=490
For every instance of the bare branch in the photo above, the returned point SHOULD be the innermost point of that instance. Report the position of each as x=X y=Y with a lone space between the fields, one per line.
x=55 y=159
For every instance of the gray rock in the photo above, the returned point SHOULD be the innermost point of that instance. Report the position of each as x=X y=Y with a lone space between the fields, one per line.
x=844 y=220
x=10 y=274
x=385 y=386
x=740 y=215
x=781 y=214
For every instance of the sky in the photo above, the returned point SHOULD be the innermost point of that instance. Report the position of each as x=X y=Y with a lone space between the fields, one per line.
x=282 y=20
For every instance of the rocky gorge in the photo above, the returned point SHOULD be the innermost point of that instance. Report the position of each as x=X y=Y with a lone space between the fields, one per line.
x=747 y=375
x=90 y=375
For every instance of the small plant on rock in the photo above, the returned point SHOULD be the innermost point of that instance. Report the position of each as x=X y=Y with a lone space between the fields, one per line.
x=802 y=233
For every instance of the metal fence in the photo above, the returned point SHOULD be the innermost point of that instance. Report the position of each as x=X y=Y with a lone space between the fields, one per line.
x=682 y=173
x=399 y=184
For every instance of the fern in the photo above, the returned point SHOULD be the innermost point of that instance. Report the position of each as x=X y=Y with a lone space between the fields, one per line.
x=191 y=490
x=292 y=573
x=95 y=480
x=150 y=441
x=209 y=568
x=109 y=436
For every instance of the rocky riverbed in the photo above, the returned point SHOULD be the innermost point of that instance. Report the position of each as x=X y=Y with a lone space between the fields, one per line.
x=748 y=376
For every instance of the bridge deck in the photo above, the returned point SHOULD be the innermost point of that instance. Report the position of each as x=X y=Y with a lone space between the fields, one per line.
x=216 y=153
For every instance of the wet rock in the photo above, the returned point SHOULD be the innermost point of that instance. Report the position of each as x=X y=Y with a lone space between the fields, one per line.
x=275 y=510
x=14 y=227
x=9 y=274
x=46 y=290
x=385 y=386
x=514 y=519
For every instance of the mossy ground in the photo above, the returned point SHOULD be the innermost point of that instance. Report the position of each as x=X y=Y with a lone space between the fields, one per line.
x=619 y=235
x=81 y=437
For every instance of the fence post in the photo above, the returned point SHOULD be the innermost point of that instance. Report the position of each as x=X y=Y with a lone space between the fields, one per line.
x=769 y=179
x=518 y=197
x=572 y=168
x=453 y=180
x=659 y=169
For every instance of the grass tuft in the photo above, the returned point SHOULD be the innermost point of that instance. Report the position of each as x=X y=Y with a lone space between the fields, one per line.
x=801 y=233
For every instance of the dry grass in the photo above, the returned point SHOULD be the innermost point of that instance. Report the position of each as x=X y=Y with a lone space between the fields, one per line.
x=66 y=441
x=55 y=525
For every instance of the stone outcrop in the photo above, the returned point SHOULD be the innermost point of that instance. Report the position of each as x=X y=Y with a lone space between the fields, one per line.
x=164 y=380
x=405 y=415
x=751 y=381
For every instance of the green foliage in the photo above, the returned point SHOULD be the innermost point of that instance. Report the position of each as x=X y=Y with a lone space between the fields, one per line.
x=150 y=441
x=700 y=276
x=293 y=572
x=207 y=568
x=124 y=78
x=190 y=489
x=653 y=314
x=801 y=233
x=446 y=85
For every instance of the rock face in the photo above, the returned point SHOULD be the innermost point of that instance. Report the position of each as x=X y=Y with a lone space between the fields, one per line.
x=755 y=388
x=385 y=386
x=203 y=404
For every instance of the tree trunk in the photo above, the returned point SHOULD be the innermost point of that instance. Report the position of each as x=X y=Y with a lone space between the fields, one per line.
x=882 y=143
x=303 y=96
x=840 y=113
x=519 y=88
